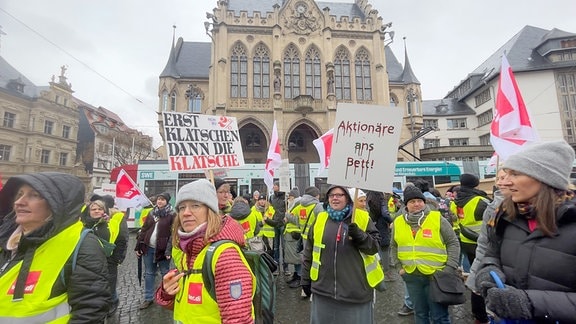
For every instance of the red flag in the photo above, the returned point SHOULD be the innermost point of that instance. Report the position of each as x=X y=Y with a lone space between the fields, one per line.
x=1 y=182
x=128 y=195
x=274 y=159
x=511 y=127
x=323 y=145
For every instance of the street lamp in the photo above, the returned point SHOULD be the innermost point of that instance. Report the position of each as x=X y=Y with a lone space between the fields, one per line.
x=411 y=101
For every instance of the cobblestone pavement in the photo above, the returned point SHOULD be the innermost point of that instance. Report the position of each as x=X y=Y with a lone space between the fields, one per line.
x=290 y=308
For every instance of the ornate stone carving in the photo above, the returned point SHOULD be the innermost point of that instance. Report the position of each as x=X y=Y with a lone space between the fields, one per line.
x=302 y=21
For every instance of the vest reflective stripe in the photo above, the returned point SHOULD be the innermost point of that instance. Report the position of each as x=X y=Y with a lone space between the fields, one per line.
x=249 y=224
x=425 y=251
x=391 y=205
x=48 y=261
x=197 y=306
x=372 y=267
x=114 y=226
x=266 y=230
x=469 y=220
x=143 y=214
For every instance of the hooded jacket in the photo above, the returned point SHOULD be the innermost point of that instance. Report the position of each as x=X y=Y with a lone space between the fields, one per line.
x=86 y=286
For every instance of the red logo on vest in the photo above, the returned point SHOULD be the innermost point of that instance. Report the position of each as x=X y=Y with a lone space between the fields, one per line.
x=246 y=226
x=303 y=214
x=427 y=233
x=31 y=282
x=195 y=293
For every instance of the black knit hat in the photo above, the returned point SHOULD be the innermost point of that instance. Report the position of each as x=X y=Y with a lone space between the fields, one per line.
x=218 y=182
x=312 y=191
x=469 y=180
x=165 y=195
x=411 y=192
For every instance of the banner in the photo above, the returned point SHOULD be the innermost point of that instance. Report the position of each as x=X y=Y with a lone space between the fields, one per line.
x=196 y=142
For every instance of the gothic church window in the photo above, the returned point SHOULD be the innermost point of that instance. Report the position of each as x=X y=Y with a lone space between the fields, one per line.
x=239 y=72
x=342 y=75
x=164 y=100
x=362 y=74
x=261 y=72
x=313 y=73
x=291 y=72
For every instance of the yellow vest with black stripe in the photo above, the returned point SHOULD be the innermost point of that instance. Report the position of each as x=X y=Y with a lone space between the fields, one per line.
x=372 y=267
x=193 y=303
x=266 y=230
x=468 y=219
x=303 y=213
x=36 y=306
x=114 y=226
x=425 y=251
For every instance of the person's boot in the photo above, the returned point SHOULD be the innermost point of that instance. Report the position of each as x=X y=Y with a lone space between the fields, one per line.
x=296 y=282
x=292 y=278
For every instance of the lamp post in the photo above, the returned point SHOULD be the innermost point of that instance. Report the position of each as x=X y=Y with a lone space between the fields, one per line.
x=411 y=101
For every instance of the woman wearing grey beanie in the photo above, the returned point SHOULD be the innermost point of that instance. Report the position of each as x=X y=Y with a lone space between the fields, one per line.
x=531 y=239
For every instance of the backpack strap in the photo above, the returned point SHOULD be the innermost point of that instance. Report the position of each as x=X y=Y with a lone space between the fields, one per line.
x=85 y=232
x=207 y=273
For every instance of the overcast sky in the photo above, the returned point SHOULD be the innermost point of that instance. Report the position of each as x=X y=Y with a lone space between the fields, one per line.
x=116 y=49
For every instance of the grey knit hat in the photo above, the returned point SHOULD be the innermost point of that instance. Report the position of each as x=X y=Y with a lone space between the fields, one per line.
x=547 y=162
x=200 y=190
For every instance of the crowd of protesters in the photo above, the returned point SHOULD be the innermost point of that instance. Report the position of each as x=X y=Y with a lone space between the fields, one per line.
x=512 y=247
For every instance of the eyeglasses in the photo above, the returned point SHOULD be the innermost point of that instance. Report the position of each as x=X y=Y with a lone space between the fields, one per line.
x=336 y=195
x=223 y=191
x=191 y=207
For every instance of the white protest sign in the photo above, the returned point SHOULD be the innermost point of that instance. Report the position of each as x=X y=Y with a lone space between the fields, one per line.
x=365 y=146
x=195 y=142
x=284 y=175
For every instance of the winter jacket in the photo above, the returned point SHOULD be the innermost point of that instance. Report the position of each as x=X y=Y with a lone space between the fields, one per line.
x=229 y=270
x=162 y=219
x=342 y=275
x=87 y=285
x=540 y=265
x=102 y=230
x=278 y=201
x=482 y=242
x=380 y=215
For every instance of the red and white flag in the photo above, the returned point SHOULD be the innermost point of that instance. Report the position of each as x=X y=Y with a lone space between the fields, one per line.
x=128 y=195
x=323 y=145
x=511 y=127
x=274 y=159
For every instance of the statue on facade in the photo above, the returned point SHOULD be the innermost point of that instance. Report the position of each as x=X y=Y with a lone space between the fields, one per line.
x=277 y=83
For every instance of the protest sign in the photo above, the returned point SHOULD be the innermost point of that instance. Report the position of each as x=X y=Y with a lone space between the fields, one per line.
x=195 y=142
x=284 y=175
x=365 y=146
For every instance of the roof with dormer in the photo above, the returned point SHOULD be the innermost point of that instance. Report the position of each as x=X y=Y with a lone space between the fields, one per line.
x=8 y=75
x=526 y=51
x=445 y=107
x=188 y=60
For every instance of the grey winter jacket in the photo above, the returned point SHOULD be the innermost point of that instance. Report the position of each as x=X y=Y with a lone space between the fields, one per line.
x=86 y=286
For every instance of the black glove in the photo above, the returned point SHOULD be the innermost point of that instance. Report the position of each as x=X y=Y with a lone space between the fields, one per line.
x=358 y=236
x=307 y=289
x=484 y=280
x=509 y=303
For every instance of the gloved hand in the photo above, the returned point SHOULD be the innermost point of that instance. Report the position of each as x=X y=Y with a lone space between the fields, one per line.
x=307 y=289
x=484 y=280
x=358 y=236
x=509 y=303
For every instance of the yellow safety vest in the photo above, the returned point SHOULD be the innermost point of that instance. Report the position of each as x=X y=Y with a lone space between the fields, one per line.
x=391 y=205
x=193 y=304
x=114 y=226
x=143 y=214
x=36 y=306
x=466 y=217
x=372 y=267
x=425 y=251
x=266 y=230
x=303 y=214
x=249 y=224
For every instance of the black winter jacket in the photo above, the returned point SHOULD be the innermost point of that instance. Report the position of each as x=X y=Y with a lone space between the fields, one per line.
x=87 y=286
x=164 y=217
x=542 y=266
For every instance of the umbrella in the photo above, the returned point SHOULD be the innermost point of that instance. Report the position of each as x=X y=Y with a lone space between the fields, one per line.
x=140 y=270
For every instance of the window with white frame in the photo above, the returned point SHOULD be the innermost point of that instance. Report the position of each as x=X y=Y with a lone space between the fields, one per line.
x=9 y=119
x=485 y=139
x=363 y=77
x=342 y=83
x=5 y=152
x=458 y=142
x=431 y=142
x=261 y=72
x=457 y=123
x=48 y=127
x=433 y=123
x=45 y=157
x=239 y=72
x=63 y=160
x=66 y=131
x=291 y=72
x=485 y=118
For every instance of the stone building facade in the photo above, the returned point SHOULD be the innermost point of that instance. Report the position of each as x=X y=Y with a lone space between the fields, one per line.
x=292 y=62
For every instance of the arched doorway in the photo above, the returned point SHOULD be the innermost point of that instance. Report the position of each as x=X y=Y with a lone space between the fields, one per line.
x=254 y=143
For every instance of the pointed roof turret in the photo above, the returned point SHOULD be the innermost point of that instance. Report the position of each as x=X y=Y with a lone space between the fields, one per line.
x=408 y=75
x=170 y=68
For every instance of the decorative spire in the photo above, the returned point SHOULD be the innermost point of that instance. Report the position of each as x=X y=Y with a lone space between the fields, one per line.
x=408 y=75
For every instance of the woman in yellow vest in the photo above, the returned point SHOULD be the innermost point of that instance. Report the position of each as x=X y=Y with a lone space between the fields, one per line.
x=423 y=242
x=49 y=271
x=112 y=229
x=341 y=267
x=196 y=226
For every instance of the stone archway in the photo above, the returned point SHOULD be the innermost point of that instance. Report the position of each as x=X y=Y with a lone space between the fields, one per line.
x=254 y=143
x=299 y=144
